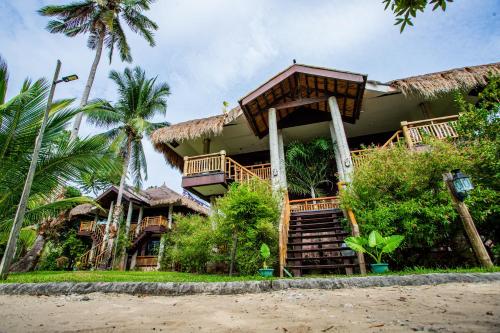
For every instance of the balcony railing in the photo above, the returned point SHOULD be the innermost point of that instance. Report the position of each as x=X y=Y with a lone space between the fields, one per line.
x=311 y=204
x=439 y=128
x=146 y=222
x=219 y=162
x=87 y=226
x=414 y=133
x=146 y=261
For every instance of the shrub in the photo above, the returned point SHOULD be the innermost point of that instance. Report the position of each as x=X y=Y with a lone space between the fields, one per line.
x=246 y=217
x=190 y=244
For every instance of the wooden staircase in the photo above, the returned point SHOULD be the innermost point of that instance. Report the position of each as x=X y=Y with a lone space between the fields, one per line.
x=93 y=257
x=315 y=243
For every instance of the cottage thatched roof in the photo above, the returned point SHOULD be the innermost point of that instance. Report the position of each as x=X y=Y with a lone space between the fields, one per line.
x=190 y=130
x=162 y=195
x=434 y=84
x=83 y=209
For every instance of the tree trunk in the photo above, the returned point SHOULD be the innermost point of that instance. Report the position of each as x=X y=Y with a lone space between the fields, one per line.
x=30 y=259
x=88 y=86
x=233 y=253
x=118 y=207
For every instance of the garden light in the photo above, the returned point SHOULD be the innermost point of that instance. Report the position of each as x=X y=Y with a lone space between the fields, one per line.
x=462 y=184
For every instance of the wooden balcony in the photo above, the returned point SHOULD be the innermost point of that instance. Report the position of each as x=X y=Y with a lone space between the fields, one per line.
x=152 y=224
x=210 y=174
x=413 y=134
x=86 y=228
x=146 y=261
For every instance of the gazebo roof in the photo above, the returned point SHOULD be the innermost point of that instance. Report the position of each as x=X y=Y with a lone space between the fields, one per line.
x=304 y=89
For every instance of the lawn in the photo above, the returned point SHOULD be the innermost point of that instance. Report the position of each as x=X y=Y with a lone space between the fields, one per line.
x=136 y=276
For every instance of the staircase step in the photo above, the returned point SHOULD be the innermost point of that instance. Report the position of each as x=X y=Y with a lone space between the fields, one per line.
x=329 y=249
x=318 y=215
x=315 y=230
x=322 y=258
x=316 y=224
x=332 y=241
x=312 y=220
x=321 y=266
x=338 y=234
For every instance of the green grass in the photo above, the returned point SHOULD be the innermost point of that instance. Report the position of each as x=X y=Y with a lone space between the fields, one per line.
x=118 y=276
x=135 y=276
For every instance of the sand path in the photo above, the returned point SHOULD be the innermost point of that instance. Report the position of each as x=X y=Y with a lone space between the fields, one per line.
x=443 y=308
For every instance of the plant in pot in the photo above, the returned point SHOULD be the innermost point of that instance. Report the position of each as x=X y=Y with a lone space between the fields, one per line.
x=265 y=253
x=375 y=246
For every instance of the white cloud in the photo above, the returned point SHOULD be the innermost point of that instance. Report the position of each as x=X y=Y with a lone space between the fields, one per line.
x=211 y=51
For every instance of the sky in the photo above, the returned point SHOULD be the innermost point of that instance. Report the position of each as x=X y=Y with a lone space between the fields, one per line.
x=210 y=51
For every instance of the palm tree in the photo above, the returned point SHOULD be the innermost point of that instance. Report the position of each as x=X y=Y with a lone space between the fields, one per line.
x=60 y=160
x=308 y=166
x=139 y=100
x=101 y=20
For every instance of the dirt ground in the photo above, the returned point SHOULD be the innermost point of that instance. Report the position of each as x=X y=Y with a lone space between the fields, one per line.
x=443 y=308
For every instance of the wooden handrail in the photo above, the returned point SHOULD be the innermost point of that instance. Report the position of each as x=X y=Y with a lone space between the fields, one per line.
x=147 y=222
x=284 y=225
x=432 y=120
x=263 y=171
x=87 y=226
x=311 y=204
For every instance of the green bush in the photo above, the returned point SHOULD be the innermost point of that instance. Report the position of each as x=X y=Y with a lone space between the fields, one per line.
x=248 y=213
x=189 y=246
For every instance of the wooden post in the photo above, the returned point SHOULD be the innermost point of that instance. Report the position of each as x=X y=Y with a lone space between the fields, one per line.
x=274 y=150
x=341 y=138
x=160 y=252
x=281 y=148
x=94 y=241
x=123 y=255
x=108 y=223
x=133 y=261
x=406 y=133
x=223 y=161
x=170 y=212
x=469 y=226
x=338 y=159
x=185 y=168
x=139 y=221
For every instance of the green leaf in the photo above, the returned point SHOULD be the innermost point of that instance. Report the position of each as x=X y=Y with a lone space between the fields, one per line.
x=392 y=243
x=355 y=244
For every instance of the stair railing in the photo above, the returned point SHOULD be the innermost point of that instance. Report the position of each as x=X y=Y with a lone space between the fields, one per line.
x=238 y=172
x=284 y=226
x=303 y=205
x=354 y=228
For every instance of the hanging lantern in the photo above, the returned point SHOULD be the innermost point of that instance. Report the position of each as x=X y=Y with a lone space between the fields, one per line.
x=462 y=184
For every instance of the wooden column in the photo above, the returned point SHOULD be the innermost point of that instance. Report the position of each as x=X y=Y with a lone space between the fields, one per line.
x=341 y=139
x=169 y=217
x=133 y=261
x=108 y=223
x=94 y=240
x=123 y=255
x=469 y=226
x=338 y=159
x=281 y=147
x=274 y=150
x=139 y=221
x=406 y=133
x=206 y=146
x=160 y=252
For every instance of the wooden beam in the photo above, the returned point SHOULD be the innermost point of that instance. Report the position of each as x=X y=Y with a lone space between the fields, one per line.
x=300 y=102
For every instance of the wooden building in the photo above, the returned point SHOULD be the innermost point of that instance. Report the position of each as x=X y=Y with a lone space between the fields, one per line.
x=301 y=103
x=148 y=213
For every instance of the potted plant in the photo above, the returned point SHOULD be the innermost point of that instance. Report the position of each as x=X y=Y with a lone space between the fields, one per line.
x=265 y=254
x=375 y=246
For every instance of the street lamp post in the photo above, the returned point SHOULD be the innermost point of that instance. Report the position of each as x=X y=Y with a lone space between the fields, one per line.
x=21 y=208
x=459 y=185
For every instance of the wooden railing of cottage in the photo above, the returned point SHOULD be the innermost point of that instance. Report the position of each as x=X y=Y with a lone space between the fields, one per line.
x=413 y=133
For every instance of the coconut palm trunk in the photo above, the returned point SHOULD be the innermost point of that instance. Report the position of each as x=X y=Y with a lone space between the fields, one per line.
x=118 y=211
x=88 y=86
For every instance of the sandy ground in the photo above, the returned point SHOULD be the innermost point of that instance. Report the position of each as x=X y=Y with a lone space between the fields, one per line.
x=443 y=308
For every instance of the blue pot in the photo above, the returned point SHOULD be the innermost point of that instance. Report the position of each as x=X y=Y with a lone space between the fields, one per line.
x=266 y=272
x=380 y=268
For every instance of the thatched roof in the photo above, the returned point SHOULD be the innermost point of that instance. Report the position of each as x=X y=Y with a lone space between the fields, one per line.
x=190 y=130
x=434 y=84
x=84 y=209
x=162 y=195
